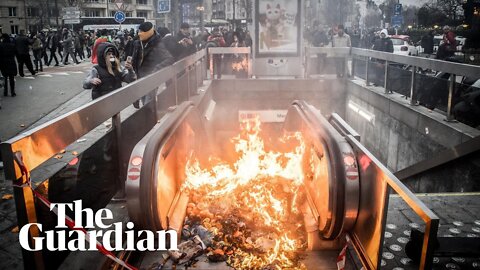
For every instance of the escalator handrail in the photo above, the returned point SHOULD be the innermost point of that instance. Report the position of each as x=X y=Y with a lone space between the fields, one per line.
x=325 y=132
x=166 y=129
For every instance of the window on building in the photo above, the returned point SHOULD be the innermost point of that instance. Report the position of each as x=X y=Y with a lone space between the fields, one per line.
x=142 y=2
x=112 y=13
x=142 y=14
x=128 y=14
x=92 y=13
x=94 y=1
x=14 y=29
x=12 y=11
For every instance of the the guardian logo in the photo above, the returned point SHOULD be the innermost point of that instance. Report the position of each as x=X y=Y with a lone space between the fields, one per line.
x=81 y=238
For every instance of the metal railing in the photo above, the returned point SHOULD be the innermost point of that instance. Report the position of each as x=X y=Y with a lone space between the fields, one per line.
x=383 y=63
x=28 y=151
x=383 y=175
x=377 y=184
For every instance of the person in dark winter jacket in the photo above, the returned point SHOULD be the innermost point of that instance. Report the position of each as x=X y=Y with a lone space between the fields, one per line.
x=169 y=41
x=384 y=43
x=129 y=46
x=185 y=46
x=52 y=43
x=427 y=43
x=149 y=53
x=22 y=45
x=8 y=66
x=108 y=74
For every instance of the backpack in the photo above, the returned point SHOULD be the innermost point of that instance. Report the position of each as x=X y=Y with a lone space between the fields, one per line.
x=37 y=44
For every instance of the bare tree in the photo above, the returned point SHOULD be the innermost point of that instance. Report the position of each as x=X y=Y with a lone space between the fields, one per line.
x=452 y=9
x=373 y=18
x=338 y=11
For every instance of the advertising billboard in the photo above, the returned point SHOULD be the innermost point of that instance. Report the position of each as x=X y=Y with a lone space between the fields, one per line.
x=277 y=28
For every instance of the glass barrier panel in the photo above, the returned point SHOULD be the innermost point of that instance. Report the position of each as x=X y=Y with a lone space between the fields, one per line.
x=399 y=79
x=466 y=102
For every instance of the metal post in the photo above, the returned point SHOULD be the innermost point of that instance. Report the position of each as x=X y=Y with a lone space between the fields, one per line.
x=117 y=129
x=429 y=242
x=187 y=73
x=413 y=100
x=175 y=85
x=385 y=81
x=451 y=89
x=353 y=67
x=211 y=64
x=24 y=204
x=366 y=71
x=307 y=57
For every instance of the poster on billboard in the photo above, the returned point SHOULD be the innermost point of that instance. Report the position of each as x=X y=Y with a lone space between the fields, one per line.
x=277 y=28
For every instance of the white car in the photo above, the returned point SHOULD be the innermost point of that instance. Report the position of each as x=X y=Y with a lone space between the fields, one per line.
x=403 y=46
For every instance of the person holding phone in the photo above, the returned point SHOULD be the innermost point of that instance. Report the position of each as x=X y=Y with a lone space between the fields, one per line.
x=186 y=46
x=108 y=74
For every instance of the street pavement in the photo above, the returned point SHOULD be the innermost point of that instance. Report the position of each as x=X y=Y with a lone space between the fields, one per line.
x=39 y=95
x=39 y=99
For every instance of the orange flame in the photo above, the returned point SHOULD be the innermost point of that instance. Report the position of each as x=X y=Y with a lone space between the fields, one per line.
x=240 y=65
x=264 y=184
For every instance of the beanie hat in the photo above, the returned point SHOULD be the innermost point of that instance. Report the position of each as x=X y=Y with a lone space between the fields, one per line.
x=145 y=26
x=162 y=31
x=184 y=26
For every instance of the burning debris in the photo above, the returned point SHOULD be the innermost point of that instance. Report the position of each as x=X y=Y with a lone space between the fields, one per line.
x=248 y=214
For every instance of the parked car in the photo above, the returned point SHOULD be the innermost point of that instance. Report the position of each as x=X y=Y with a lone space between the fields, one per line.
x=402 y=45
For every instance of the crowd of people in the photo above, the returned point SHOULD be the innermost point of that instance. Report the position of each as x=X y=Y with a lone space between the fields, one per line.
x=147 y=50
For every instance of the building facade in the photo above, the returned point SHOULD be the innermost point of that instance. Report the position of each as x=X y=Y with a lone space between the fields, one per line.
x=37 y=15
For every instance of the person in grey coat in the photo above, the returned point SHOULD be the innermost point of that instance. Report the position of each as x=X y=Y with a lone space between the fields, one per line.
x=68 y=47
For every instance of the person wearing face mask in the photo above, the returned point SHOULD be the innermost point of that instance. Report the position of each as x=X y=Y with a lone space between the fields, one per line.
x=341 y=39
x=108 y=74
x=149 y=54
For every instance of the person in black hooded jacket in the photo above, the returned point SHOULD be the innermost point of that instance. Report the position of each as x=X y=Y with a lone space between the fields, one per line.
x=8 y=66
x=149 y=53
x=108 y=74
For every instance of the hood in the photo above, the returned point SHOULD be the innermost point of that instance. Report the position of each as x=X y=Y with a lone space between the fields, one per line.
x=101 y=49
x=385 y=32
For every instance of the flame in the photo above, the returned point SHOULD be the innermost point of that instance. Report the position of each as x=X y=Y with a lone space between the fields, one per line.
x=260 y=186
x=240 y=65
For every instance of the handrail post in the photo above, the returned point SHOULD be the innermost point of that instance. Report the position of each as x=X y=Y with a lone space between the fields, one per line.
x=413 y=93
x=366 y=70
x=211 y=64
x=306 y=63
x=429 y=242
x=451 y=89
x=385 y=81
x=353 y=67
x=187 y=73
x=175 y=87
x=117 y=129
